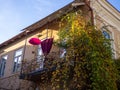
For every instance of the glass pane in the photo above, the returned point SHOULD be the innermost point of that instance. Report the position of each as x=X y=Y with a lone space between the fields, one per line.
x=106 y=35
x=19 y=59
x=18 y=67
x=18 y=52
x=14 y=68
x=62 y=53
x=0 y=69
x=2 y=64
x=3 y=69
x=17 y=63
x=40 y=50
x=40 y=57
x=4 y=57
x=15 y=60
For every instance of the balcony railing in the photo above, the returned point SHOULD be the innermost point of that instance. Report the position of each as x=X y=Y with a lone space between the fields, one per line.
x=33 y=69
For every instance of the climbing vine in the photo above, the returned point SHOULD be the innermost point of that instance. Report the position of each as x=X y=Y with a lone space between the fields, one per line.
x=88 y=63
x=117 y=64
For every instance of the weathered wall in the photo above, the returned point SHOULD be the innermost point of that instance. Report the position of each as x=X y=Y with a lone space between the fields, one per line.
x=102 y=17
x=11 y=80
x=14 y=83
x=106 y=15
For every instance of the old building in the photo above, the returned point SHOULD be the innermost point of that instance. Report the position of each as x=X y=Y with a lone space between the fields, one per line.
x=15 y=52
x=107 y=18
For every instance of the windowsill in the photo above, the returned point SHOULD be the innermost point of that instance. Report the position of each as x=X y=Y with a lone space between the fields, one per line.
x=13 y=74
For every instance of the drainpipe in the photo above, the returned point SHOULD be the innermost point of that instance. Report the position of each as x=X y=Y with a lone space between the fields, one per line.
x=23 y=57
x=87 y=2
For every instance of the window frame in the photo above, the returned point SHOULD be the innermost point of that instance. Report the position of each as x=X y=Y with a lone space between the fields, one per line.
x=18 y=58
x=3 y=65
x=111 y=38
x=40 y=56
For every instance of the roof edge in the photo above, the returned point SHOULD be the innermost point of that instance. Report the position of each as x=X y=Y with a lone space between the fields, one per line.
x=39 y=23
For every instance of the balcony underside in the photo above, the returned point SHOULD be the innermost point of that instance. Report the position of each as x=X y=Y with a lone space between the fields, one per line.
x=38 y=75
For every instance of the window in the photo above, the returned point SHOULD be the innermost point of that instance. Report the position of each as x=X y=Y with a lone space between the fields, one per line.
x=106 y=35
x=2 y=65
x=40 y=57
x=17 y=60
x=40 y=50
x=63 y=48
x=62 y=52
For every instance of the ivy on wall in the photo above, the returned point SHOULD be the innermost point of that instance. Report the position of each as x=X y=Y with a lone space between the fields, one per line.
x=117 y=64
x=88 y=63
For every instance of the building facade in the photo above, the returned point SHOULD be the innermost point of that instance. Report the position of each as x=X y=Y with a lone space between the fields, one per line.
x=107 y=19
x=17 y=51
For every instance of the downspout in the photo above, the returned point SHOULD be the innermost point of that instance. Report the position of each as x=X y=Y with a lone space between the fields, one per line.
x=87 y=2
x=24 y=50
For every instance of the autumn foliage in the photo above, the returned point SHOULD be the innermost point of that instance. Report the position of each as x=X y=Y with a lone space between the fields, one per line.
x=88 y=63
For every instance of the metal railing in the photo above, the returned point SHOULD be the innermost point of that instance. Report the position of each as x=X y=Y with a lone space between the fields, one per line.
x=39 y=63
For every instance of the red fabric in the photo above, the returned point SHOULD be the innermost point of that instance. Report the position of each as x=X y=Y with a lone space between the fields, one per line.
x=35 y=41
x=47 y=45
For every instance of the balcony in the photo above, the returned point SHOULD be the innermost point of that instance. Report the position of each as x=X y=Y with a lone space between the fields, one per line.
x=38 y=69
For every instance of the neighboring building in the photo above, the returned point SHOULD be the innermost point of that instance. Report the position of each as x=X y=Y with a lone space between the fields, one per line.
x=17 y=51
x=107 y=18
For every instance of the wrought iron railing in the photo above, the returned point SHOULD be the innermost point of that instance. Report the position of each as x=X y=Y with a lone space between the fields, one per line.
x=40 y=63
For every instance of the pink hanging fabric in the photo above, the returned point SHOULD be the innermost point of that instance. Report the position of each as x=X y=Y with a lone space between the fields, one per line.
x=35 y=41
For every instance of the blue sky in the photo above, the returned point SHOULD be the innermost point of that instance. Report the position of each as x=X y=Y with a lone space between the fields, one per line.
x=115 y=3
x=15 y=15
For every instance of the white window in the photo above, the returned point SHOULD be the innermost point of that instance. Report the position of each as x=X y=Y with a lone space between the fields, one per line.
x=17 y=60
x=2 y=65
x=40 y=57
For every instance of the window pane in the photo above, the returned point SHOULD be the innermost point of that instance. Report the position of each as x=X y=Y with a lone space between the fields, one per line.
x=18 y=67
x=106 y=35
x=14 y=68
x=40 y=50
x=17 y=60
x=5 y=57
x=2 y=64
x=40 y=58
x=62 y=52
x=18 y=52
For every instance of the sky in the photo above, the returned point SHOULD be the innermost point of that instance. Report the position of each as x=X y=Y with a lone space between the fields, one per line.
x=115 y=3
x=16 y=15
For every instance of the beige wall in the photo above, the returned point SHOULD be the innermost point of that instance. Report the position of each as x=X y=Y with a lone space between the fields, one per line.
x=106 y=15
x=11 y=80
x=102 y=17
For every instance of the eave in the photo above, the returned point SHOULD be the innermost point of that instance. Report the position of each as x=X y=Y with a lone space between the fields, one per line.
x=55 y=15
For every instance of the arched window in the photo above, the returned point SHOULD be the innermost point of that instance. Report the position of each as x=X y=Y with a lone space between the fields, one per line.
x=106 y=34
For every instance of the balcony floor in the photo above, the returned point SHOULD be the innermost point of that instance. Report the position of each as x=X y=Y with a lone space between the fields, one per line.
x=37 y=74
